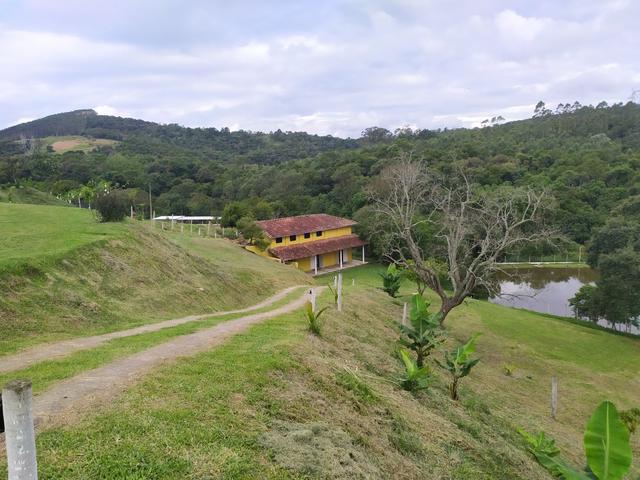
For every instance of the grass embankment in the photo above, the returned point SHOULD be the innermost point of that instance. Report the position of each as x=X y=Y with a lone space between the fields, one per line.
x=29 y=195
x=63 y=275
x=276 y=402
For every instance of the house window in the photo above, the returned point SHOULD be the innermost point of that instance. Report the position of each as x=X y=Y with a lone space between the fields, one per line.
x=279 y=240
x=318 y=234
x=307 y=235
x=293 y=238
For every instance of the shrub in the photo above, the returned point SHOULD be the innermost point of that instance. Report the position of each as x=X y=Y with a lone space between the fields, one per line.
x=111 y=206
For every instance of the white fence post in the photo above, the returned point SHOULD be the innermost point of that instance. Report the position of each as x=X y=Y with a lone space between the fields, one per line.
x=340 y=292
x=312 y=294
x=554 y=397
x=20 y=438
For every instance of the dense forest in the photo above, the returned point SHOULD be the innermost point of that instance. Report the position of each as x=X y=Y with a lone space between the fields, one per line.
x=587 y=158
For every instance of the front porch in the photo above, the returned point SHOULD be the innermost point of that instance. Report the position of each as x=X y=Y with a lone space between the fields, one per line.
x=337 y=268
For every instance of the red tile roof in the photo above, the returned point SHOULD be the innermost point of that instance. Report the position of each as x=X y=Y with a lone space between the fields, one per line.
x=317 y=247
x=283 y=227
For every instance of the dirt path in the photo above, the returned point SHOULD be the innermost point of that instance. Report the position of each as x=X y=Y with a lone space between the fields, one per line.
x=70 y=398
x=63 y=348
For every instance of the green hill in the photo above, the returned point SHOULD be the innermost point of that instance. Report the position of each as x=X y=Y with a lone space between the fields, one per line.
x=67 y=273
x=28 y=195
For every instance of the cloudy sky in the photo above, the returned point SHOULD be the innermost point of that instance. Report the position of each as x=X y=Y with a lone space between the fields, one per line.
x=330 y=67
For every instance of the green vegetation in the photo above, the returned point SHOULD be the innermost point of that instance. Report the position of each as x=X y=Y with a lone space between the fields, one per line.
x=28 y=195
x=45 y=373
x=305 y=407
x=313 y=318
x=423 y=334
x=391 y=280
x=606 y=444
x=414 y=377
x=70 y=275
x=459 y=363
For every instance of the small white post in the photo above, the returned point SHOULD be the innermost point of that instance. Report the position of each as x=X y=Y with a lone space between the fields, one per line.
x=554 y=397
x=215 y=234
x=340 y=255
x=312 y=295
x=223 y=231
x=209 y=229
x=335 y=281
x=404 y=314
x=339 y=292
x=20 y=438
x=353 y=282
x=131 y=214
x=199 y=232
x=363 y=254
x=315 y=264
x=191 y=227
x=172 y=224
x=181 y=227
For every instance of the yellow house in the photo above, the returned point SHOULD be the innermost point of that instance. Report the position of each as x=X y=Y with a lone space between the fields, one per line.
x=313 y=242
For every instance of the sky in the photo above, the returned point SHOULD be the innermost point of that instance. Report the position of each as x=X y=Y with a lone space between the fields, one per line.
x=327 y=67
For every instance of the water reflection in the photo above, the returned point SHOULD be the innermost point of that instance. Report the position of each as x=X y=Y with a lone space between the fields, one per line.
x=548 y=290
x=542 y=289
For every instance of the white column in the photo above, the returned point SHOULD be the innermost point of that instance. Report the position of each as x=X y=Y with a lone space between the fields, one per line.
x=362 y=253
x=315 y=264
x=340 y=253
x=20 y=438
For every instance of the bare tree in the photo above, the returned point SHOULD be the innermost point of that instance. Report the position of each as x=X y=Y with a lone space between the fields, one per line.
x=468 y=230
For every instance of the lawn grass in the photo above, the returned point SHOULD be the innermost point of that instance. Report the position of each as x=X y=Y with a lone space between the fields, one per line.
x=45 y=373
x=33 y=235
x=65 y=275
x=28 y=195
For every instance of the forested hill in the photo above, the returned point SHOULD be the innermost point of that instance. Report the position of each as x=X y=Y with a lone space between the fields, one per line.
x=149 y=137
x=588 y=157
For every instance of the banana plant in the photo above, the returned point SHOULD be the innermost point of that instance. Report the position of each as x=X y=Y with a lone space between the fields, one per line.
x=606 y=446
x=391 y=280
x=313 y=318
x=423 y=334
x=414 y=378
x=459 y=364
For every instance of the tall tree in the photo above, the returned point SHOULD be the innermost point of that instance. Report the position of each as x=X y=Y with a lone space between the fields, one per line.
x=431 y=217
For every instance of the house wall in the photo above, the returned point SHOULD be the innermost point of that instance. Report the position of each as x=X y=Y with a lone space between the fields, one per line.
x=305 y=264
x=336 y=232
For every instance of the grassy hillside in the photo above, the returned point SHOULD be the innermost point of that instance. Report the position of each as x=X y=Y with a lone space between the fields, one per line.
x=75 y=143
x=277 y=402
x=65 y=275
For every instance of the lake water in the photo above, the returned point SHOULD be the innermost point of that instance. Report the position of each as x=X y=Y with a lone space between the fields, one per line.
x=542 y=289
x=547 y=290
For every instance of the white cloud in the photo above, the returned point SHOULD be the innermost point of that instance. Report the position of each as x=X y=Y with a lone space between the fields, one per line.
x=331 y=67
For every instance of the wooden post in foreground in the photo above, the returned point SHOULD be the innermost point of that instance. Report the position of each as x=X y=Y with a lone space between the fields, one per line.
x=554 y=397
x=404 y=314
x=340 y=292
x=20 y=438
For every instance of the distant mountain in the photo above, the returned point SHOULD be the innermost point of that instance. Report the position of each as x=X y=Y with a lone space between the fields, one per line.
x=142 y=137
x=69 y=123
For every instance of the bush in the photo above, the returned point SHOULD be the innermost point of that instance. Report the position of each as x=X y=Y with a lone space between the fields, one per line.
x=111 y=206
x=391 y=280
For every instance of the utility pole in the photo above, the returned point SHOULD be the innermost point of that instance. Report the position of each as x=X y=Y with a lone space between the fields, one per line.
x=150 y=204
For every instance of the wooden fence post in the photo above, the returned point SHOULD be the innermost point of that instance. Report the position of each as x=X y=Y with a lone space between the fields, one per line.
x=20 y=438
x=554 y=397
x=340 y=292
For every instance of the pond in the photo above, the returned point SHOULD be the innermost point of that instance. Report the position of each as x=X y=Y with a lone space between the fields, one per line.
x=545 y=289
